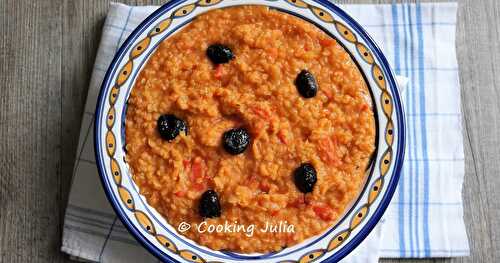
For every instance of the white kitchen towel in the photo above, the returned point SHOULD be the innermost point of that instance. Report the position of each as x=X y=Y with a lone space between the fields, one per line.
x=425 y=217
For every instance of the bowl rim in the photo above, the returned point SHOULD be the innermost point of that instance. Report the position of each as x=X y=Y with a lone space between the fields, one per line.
x=398 y=110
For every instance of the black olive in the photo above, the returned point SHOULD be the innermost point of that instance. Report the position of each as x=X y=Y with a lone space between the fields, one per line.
x=219 y=54
x=235 y=141
x=305 y=177
x=209 y=204
x=169 y=126
x=306 y=84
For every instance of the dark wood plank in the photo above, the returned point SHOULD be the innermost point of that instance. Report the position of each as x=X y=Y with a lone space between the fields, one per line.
x=478 y=45
x=30 y=114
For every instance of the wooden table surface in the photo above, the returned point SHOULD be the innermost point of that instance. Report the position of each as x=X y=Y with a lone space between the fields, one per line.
x=47 y=50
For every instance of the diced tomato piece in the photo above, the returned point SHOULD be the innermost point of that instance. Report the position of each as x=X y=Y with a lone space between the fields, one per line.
x=323 y=211
x=273 y=52
x=197 y=175
x=199 y=186
x=252 y=181
x=282 y=137
x=275 y=213
x=262 y=113
x=197 y=168
x=326 y=42
x=364 y=107
x=264 y=187
x=328 y=93
x=327 y=149
x=297 y=203
x=252 y=178
x=219 y=71
x=187 y=164
x=180 y=193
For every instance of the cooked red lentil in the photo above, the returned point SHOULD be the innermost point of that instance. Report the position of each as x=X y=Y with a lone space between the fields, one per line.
x=331 y=134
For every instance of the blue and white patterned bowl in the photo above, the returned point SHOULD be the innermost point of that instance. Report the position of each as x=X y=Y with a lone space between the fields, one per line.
x=153 y=231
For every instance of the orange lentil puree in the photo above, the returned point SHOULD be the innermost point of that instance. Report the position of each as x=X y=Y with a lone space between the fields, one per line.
x=334 y=131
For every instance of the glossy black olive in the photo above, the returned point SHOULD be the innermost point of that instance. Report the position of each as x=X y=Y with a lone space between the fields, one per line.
x=306 y=84
x=219 y=54
x=210 y=204
x=169 y=126
x=236 y=141
x=305 y=177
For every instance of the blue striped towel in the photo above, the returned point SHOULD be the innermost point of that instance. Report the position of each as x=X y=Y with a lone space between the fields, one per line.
x=425 y=217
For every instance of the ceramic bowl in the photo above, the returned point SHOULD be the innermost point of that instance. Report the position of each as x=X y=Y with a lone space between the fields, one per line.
x=153 y=231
